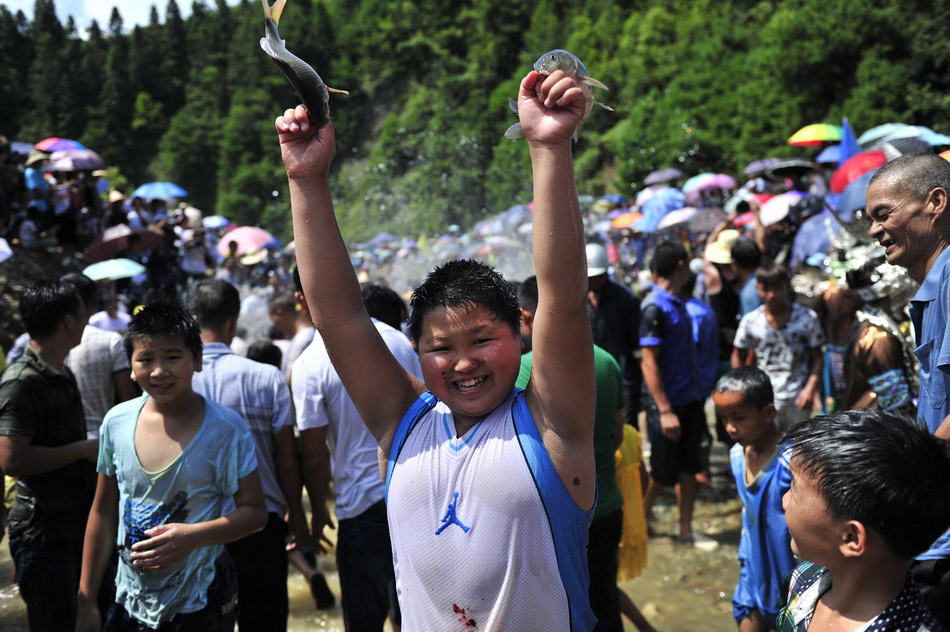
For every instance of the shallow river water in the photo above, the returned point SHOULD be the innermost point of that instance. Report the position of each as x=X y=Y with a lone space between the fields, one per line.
x=683 y=589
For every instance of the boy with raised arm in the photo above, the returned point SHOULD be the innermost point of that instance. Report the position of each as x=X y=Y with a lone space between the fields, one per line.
x=490 y=489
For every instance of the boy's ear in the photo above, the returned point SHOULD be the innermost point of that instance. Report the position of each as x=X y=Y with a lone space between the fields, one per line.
x=770 y=412
x=854 y=539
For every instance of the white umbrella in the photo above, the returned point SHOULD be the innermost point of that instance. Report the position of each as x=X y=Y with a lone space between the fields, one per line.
x=5 y=251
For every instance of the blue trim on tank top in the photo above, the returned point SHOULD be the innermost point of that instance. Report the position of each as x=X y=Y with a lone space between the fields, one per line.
x=420 y=407
x=569 y=523
x=463 y=442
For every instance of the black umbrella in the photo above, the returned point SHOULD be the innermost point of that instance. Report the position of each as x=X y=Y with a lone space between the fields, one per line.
x=792 y=168
x=707 y=219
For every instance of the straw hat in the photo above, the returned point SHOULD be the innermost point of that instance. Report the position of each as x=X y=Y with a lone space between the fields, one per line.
x=115 y=196
x=35 y=156
x=720 y=251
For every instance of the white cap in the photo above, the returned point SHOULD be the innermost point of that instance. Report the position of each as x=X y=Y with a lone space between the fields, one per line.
x=596 y=260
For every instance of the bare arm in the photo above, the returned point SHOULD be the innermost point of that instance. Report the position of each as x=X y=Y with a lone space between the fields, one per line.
x=943 y=431
x=288 y=476
x=316 y=476
x=170 y=543
x=807 y=394
x=97 y=548
x=380 y=388
x=18 y=455
x=561 y=392
x=669 y=421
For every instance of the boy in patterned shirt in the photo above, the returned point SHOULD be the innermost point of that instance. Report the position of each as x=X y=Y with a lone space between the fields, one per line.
x=868 y=494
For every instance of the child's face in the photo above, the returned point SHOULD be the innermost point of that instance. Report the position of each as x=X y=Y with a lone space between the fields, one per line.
x=815 y=533
x=163 y=367
x=470 y=359
x=745 y=422
x=773 y=295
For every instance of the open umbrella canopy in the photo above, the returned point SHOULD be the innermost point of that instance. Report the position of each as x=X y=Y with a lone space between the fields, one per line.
x=854 y=195
x=776 y=209
x=677 y=217
x=831 y=153
x=893 y=131
x=56 y=144
x=5 y=251
x=615 y=198
x=115 y=239
x=760 y=166
x=114 y=269
x=854 y=167
x=74 y=160
x=661 y=203
x=696 y=181
x=159 y=190
x=815 y=135
x=707 y=219
x=625 y=220
x=249 y=239
x=662 y=175
x=215 y=222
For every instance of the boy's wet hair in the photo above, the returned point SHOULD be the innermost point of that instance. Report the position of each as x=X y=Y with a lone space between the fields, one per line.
x=213 y=302
x=265 y=352
x=771 y=274
x=751 y=382
x=464 y=284
x=883 y=470
x=666 y=257
x=383 y=304
x=153 y=320
x=45 y=304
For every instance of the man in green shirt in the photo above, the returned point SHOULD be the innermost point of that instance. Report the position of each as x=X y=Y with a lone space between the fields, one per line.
x=607 y=526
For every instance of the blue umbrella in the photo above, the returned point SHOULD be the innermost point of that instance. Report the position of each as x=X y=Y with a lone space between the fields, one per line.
x=853 y=196
x=659 y=204
x=831 y=153
x=615 y=198
x=160 y=190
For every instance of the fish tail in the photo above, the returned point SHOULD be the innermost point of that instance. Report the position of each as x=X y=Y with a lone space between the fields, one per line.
x=577 y=133
x=273 y=11
x=514 y=132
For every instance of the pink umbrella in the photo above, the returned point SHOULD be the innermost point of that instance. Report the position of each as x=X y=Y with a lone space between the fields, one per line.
x=249 y=239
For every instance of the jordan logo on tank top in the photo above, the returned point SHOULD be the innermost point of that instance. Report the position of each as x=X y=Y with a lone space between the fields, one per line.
x=450 y=518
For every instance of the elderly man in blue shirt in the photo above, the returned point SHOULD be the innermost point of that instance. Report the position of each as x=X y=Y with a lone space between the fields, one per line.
x=908 y=208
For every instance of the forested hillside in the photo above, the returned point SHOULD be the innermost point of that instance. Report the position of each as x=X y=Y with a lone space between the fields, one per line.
x=705 y=85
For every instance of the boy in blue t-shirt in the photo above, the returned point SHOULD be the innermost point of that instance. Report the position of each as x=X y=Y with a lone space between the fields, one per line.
x=761 y=468
x=167 y=463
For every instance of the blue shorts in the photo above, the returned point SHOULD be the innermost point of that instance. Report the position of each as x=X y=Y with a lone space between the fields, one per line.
x=744 y=601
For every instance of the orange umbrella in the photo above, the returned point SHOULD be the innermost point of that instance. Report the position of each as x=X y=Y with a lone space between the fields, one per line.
x=946 y=155
x=626 y=220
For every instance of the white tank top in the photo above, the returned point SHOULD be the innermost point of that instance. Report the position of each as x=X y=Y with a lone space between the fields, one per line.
x=485 y=535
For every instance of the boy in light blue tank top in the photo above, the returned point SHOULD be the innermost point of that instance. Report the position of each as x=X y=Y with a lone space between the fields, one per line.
x=743 y=397
x=167 y=462
x=465 y=322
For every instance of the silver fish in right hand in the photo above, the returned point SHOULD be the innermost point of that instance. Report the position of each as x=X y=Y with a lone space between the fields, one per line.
x=313 y=92
x=573 y=67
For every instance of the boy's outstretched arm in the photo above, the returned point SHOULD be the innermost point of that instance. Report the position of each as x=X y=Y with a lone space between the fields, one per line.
x=96 y=550
x=170 y=543
x=561 y=391
x=379 y=387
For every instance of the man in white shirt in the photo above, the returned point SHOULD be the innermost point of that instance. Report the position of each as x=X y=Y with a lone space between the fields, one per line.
x=331 y=430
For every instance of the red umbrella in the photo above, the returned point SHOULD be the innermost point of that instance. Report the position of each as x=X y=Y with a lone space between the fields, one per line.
x=56 y=144
x=854 y=167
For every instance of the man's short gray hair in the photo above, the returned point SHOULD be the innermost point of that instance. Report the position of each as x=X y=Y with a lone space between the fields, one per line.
x=917 y=174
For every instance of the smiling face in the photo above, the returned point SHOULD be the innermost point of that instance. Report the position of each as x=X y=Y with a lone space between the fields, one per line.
x=902 y=224
x=470 y=360
x=163 y=367
x=745 y=422
x=815 y=532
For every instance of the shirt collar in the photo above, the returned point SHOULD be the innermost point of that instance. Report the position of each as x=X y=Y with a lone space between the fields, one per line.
x=930 y=288
x=42 y=366
x=215 y=349
x=667 y=295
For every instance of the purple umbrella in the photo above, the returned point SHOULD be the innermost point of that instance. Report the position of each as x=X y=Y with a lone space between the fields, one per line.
x=74 y=160
x=761 y=166
x=662 y=175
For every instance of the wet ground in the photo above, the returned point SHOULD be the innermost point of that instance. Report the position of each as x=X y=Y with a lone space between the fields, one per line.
x=683 y=589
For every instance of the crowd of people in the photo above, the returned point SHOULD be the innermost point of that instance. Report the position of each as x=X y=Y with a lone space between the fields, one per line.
x=481 y=444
